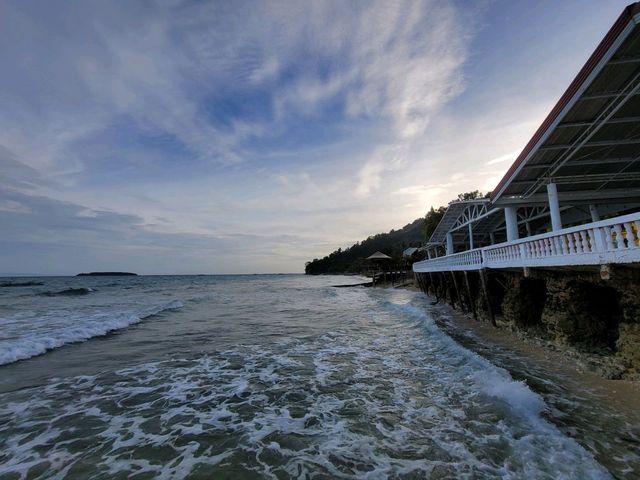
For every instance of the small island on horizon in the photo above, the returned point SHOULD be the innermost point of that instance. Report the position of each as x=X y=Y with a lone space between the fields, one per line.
x=106 y=274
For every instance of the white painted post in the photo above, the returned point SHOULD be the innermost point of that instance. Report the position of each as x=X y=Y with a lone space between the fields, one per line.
x=492 y=237
x=470 y=237
x=593 y=210
x=449 y=243
x=554 y=207
x=429 y=254
x=511 y=220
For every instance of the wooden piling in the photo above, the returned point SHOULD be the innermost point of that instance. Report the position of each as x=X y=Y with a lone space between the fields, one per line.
x=483 y=281
x=472 y=304
x=457 y=290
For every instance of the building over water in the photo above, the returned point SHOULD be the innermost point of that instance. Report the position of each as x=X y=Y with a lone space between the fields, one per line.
x=559 y=235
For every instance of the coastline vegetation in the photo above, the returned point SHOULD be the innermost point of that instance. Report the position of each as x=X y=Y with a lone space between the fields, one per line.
x=393 y=243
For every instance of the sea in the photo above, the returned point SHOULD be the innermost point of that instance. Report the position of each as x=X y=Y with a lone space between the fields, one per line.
x=280 y=376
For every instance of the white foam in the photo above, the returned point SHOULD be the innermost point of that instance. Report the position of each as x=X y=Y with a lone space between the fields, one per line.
x=59 y=328
x=383 y=401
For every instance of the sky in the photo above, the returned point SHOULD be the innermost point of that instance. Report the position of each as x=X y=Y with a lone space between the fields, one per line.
x=197 y=137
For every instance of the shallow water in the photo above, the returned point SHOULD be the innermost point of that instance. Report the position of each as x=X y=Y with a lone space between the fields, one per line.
x=277 y=377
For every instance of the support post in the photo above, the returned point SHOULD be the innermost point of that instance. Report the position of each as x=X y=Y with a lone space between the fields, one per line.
x=458 y=296
x=492 y=237
x=511 y=220
x=470 y=236
x=554 y=207
x=469 y=296
x=483 y=281
x=593 y=210
x=449 y=243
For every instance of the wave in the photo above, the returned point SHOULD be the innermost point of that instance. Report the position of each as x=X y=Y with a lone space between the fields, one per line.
x=68 y=292
x=83 y=329
x=20 y=284
x=487 y=377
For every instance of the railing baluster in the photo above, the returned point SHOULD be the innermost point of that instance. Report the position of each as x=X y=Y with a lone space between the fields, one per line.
x=631 y=243
x=585 y=241
x=558 y=243
x=619 y=240
x=608 y=235
x=570 y=244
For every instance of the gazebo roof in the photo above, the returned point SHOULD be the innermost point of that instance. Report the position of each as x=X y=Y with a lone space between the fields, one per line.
x=378 y=256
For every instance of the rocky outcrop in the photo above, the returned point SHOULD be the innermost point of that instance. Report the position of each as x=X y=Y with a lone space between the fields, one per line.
x=580 y=311
x=523 y=301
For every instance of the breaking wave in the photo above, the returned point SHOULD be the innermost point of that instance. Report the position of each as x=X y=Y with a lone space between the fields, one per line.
x=396 y=404
x=71 y=328
x=68 y=292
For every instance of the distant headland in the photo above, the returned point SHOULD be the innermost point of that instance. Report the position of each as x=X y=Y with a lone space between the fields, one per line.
x=106 y=274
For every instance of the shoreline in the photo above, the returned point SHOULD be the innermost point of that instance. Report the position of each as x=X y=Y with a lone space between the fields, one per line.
x=624 y=394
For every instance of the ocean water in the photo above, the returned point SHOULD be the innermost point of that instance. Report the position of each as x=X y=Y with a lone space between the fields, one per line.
x=279 y=376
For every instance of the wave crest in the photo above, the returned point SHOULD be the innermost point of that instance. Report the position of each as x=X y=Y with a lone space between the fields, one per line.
x=84 y=329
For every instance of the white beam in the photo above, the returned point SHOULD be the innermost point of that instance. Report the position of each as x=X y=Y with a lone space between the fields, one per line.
x=577 y=197
x=554 y=207
x=593 y=210
x=511 y=220
x=449 y=243
x=470 y=236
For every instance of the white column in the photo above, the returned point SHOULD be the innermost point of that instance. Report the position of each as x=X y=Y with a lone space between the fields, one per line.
x=593 y=210
x=511 y=220
x=554 y=207
x=492 y=237
x=470 y=237
x=449 y=243
x=428 y=254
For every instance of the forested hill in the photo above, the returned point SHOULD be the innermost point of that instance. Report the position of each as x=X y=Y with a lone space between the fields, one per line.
x=351 y=259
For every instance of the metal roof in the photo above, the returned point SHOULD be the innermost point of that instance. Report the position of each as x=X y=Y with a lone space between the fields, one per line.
x=589 y=144
x=458 y=214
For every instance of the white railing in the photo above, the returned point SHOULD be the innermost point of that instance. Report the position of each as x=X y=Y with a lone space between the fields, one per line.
x=469 y=260
x=616 y=240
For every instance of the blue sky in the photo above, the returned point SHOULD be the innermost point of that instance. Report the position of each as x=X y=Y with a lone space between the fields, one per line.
x=250 y=137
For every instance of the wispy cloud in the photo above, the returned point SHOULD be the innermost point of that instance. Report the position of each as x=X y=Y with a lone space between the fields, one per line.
x=272 y=131
x=507 y=157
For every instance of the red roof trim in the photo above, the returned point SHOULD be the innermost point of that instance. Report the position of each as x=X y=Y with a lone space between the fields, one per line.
x=625 y=17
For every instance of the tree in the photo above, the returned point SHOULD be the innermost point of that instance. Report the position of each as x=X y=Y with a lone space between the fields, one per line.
x=470 y=195
x=431 y=221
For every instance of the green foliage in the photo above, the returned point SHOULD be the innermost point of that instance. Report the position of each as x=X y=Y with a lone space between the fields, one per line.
x=416 y=233
x=352 y=259
x=470 y=195
x=431 y=221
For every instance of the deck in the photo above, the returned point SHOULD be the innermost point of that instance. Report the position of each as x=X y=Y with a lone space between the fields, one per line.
x=612 y=241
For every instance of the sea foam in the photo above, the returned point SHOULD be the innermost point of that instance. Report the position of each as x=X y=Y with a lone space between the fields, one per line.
x=71 y=328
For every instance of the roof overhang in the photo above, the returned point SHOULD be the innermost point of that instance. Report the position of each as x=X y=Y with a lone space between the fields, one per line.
x=589 y=144
x=458 y=214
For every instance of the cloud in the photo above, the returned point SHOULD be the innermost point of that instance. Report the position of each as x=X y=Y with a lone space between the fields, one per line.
x=420 y=189
x=508 y=157
x=273 y=132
